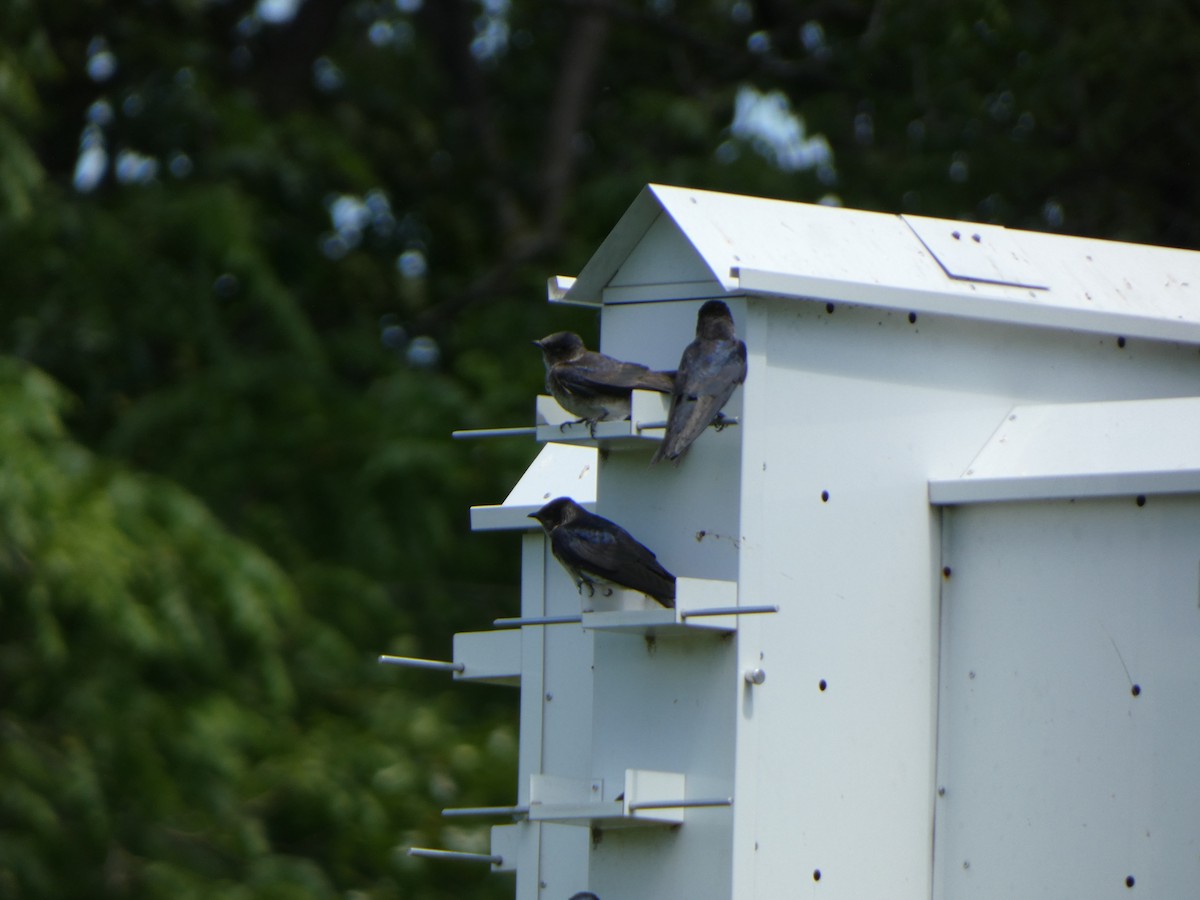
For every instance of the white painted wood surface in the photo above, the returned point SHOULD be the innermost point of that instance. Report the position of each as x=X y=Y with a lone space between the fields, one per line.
x=1070 y=702
x=753 y=245
x=1084 y=450
x=884 y=365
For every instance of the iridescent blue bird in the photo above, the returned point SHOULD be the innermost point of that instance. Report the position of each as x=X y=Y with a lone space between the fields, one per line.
x=593 y=549
x=713 y=365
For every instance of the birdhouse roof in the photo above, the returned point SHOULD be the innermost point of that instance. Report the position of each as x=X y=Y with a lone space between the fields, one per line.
x=675 y=243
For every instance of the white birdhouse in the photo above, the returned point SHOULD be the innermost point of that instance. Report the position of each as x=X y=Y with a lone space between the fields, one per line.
x=937 y=631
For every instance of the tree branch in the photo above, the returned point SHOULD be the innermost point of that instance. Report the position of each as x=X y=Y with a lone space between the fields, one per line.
x=582 y=57
x=450 y=22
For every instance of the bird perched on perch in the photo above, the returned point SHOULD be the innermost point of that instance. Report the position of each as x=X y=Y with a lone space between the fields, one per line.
x=591 y=385
x=712 y=366
x=593 y=549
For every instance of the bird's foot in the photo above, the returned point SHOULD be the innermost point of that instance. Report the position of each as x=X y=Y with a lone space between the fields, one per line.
x=722 y=421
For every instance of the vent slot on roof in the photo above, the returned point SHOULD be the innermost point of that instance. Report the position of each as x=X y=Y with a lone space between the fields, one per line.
x=972 y=252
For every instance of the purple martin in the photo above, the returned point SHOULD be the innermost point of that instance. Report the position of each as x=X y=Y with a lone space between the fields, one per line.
x=584 y=895
x=591 y=385
x=712 y=366
x=592 y=549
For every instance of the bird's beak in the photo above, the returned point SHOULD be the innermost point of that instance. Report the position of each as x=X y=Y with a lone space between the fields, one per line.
x=537 y=344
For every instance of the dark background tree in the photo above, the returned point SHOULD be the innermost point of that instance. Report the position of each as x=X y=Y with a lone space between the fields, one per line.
x=273 y=253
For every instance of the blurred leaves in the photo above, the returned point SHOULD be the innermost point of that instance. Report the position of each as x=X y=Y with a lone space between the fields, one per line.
x=300 y=254
x=172 y=716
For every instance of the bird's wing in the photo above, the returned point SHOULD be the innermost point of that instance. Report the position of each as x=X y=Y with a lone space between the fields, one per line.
x=717 y=370
x=708 y=374
x=595 y=373
x=663 y=382
x=602 y=548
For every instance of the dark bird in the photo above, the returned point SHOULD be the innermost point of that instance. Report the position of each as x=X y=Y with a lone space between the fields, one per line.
x=592 y=549
x=591 y=385
x=712 y=366
x=584 y=895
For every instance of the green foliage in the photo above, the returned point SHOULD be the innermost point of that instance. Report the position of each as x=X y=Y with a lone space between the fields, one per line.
x=173 y=719
x=307 y=252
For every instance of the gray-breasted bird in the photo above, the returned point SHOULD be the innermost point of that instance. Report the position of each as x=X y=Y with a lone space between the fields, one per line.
x=592 y=549
x=712 y=366
x=591 y=385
